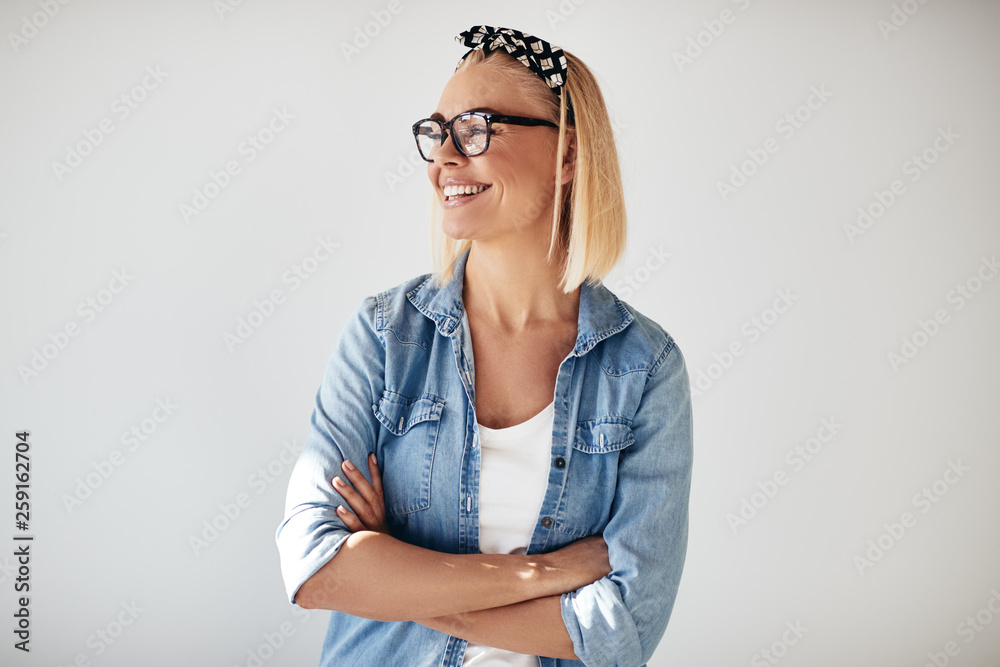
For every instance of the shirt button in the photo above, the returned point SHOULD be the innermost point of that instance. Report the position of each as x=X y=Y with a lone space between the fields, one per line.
x=547 y=521
x=560 y=462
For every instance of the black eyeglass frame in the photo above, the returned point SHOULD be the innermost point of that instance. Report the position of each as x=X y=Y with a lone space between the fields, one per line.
x=490 y=119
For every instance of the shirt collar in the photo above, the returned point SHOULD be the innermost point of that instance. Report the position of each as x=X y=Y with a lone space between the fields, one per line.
x=601 y=312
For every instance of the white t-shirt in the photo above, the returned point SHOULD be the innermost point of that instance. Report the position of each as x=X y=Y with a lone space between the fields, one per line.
x=513 y=474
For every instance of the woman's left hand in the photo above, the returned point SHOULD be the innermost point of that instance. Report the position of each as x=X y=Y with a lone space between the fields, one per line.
x=367 y=500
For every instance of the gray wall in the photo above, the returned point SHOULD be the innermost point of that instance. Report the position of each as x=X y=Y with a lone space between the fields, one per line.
x=844 y=363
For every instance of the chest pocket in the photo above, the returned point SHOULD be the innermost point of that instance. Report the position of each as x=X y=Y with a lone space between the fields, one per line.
x=407 y=449
x=592 y=475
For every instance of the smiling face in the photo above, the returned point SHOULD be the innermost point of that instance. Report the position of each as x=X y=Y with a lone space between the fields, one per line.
x=518 y=168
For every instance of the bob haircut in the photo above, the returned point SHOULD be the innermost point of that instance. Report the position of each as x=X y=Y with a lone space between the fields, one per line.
x=589 y=225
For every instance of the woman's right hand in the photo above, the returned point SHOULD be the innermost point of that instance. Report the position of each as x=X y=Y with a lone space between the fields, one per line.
x=580 y=563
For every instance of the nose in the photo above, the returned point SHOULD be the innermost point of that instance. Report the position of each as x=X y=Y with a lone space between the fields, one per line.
x=447 y=153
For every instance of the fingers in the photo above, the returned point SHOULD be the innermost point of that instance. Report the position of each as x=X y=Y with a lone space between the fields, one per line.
x=376 y=477
x=361 y=484
x=361 y=508
x=350 y=520
x=363 y=498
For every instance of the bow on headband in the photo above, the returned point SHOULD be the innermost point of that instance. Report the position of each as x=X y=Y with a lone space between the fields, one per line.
x=545 y=60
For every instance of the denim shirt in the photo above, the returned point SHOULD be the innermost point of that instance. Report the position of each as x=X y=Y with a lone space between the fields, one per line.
x=399 y=383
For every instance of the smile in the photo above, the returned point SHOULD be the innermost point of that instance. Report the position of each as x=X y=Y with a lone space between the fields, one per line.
x=456 y=194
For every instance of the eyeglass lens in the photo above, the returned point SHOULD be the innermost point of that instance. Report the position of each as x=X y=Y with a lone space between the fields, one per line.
x=470 y=130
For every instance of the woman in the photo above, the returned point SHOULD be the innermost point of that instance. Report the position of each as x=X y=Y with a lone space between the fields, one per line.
x=499 y=462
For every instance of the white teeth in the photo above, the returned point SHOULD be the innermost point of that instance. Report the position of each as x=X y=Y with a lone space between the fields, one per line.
x=453 y=190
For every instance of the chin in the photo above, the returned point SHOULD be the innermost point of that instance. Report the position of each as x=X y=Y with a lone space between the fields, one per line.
x=457 y=227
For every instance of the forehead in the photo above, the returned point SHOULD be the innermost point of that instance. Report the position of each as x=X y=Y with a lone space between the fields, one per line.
x=478 y=89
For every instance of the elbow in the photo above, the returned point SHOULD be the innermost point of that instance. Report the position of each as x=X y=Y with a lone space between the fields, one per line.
x=319 y=591
x=325 y=590
x=306 y=597
x=345 y=584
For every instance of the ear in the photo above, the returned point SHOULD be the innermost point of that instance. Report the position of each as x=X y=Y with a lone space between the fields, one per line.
x=569 y=158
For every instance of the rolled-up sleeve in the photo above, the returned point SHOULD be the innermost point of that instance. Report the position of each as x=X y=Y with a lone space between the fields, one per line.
x=343 y=426
x=620 y=619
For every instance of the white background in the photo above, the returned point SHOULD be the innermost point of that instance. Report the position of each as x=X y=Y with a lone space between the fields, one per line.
x=344 y=169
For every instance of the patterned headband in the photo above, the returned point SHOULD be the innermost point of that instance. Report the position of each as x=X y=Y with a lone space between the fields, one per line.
x=545 y=60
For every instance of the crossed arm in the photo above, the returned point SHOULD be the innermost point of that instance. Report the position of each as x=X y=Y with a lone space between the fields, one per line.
x=511 y=602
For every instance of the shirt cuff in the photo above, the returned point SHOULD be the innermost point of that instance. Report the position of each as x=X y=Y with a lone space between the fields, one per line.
x=600 y=626
x=306 y=542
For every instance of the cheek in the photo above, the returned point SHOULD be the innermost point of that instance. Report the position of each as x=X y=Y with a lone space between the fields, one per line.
x=530 y=200
x=524 y=177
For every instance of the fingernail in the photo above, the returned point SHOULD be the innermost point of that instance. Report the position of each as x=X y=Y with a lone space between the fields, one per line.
x=372 y=458
x=341 y=510
x=348 y=465
x=337 y=481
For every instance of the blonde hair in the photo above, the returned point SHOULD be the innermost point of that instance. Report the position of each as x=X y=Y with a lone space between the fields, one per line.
x=589 y=224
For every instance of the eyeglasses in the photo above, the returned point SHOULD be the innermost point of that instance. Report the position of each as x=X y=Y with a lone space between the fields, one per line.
x=470 y=132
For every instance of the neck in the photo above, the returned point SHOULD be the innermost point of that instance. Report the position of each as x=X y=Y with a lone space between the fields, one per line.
x=516 y=287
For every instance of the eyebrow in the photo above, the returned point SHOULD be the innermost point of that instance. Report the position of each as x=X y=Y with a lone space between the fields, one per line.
x=437 y=116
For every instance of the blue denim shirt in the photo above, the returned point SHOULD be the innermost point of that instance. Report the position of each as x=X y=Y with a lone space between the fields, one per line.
x=400 y=383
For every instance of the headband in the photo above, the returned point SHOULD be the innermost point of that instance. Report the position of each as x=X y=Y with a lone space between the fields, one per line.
x=545 y=60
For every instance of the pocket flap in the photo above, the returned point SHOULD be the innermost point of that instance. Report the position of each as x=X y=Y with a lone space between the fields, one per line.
x=399 y=413
x=599 y=436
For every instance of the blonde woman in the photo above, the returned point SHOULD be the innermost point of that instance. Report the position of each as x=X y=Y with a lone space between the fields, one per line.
x=499 y=463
